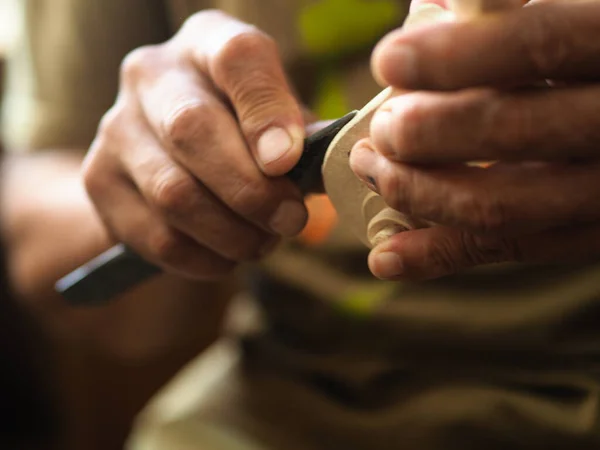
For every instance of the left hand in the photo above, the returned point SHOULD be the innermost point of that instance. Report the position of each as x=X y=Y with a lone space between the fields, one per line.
x=541 y=201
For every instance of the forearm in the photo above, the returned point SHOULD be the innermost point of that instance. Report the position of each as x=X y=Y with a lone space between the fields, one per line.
x=50 y=228
x=48 y=223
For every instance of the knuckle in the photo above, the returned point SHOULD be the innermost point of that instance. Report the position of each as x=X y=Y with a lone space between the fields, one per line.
x=545 y=40
x=197 y=20
x=174 y=195
x=444 y=255
x=507 y=125
x=457 y=252
x=136 y=62
x=166 y=246
x=248 y=68
x=95 y=180
x=109 y=126
x=188 y=123
x=486 y=213
x=396 y=190
x=411 y=127
x=265 y=99
x=493 y=216
x=251 y=198
x=444 y=77
x=516 y=120
x=248 y=44
x=479 y=249
x=200 y=19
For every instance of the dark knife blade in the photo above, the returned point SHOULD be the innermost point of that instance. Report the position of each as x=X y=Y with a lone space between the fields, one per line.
x=119 y=269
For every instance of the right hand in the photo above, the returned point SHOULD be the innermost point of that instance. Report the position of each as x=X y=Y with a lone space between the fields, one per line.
x=186 y=167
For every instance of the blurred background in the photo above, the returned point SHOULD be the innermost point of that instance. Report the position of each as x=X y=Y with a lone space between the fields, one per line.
x=12 y=46
x=9 y=27
x=78 y=399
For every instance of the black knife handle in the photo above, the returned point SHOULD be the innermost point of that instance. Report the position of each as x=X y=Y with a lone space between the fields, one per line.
x=106 y=276
x=306 y=174
x=119 y=269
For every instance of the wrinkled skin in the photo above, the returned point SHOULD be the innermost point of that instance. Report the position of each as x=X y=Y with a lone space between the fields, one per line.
x=476 y=91
x=187 y=166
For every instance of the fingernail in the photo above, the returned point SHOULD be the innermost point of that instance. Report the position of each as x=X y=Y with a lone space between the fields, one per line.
x=289 y=219
x=372 y=184
x=387 y=265
x=395 y=65
x=274 y=144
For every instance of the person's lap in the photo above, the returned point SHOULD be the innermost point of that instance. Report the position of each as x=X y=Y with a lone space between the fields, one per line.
x=219 y=402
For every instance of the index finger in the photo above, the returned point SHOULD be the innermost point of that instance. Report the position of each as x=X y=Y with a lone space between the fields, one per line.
x=543 y=40
x=244 y=64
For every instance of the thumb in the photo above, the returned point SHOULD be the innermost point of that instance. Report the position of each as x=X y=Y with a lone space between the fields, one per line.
x=244 y=64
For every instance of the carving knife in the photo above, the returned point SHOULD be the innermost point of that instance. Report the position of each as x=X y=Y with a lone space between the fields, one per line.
x=120 y=269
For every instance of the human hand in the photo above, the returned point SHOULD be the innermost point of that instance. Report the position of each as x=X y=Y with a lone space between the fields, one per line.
x=470 y=98
x=186 y=166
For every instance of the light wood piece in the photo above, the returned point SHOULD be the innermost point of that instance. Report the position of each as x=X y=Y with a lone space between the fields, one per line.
x=362 y=210
x=357 y=206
